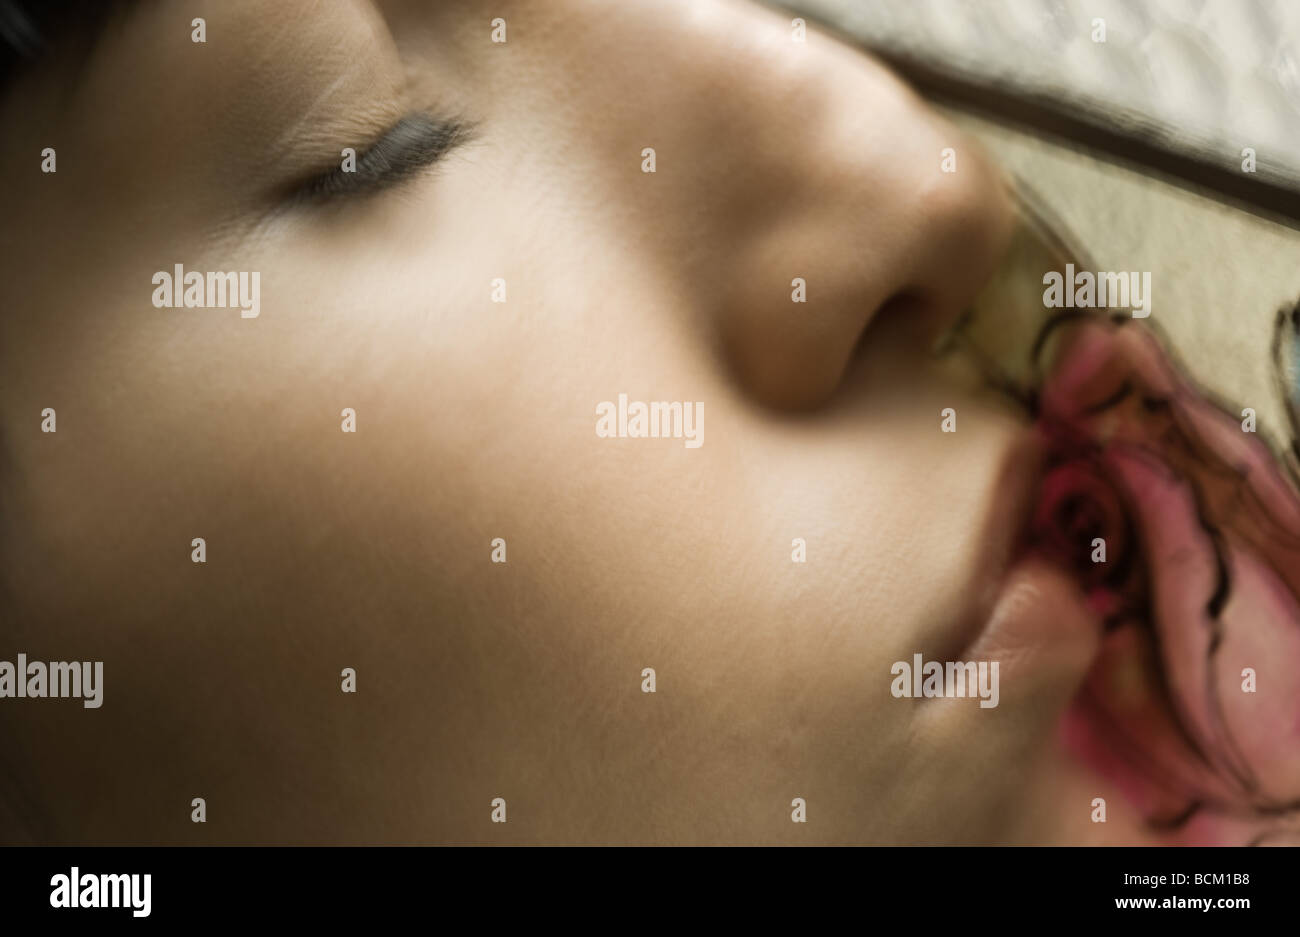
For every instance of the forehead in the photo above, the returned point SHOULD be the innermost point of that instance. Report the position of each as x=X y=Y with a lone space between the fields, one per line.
x=259 y=65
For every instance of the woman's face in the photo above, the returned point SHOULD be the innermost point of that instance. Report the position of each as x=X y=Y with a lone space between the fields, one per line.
x=474 y=318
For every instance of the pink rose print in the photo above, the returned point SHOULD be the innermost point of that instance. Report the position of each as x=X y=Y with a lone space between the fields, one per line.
x=1193 y=706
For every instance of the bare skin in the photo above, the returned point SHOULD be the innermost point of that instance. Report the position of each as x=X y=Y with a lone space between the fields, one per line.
x=327 y=550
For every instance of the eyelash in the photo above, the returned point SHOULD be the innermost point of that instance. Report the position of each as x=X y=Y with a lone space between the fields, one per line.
x=412 y=145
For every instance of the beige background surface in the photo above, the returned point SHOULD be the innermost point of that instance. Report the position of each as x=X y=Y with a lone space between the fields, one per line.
x=1218 y=274
x=1199 y=79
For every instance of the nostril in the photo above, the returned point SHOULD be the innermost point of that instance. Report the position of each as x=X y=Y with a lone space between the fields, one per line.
x=795 y=355
x=908 y=322
x=884 y=246
x=802 y=365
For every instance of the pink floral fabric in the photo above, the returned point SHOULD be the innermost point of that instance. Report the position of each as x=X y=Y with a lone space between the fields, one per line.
x=1193 y=707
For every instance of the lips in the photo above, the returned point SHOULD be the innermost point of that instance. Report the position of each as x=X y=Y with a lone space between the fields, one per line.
x=1193 y=705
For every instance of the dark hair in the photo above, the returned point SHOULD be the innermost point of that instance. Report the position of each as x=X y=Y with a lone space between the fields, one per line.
x=28 y=28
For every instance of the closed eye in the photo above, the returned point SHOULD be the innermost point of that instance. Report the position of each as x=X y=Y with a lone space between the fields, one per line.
x=414 y=143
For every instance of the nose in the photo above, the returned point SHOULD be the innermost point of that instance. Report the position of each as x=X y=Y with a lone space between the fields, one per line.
x=819 y=191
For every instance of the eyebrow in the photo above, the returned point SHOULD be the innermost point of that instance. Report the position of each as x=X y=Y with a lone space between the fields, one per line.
x=414 y=143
